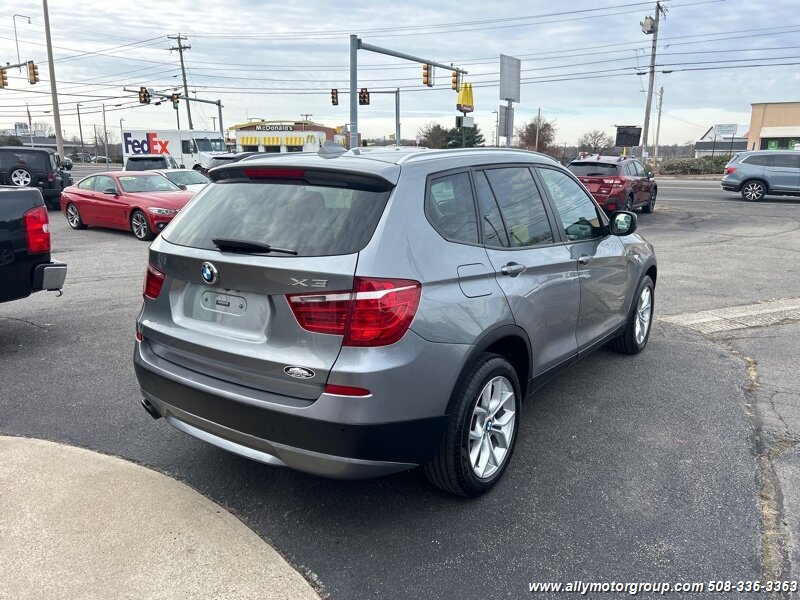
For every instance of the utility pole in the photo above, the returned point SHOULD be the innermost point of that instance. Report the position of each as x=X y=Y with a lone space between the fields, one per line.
x=538 y=126
x=180 y=48
x=213 y=122
x=658 y=127
x=80 y=130
x=397 y=117
x=105 y=135
x=305 y=119
x=53 y=91
x=652 y=70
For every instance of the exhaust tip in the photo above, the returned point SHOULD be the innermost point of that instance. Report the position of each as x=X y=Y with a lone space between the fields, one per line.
x=151 y=410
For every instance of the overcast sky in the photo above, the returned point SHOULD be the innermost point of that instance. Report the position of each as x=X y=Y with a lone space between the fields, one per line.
x=277 y=60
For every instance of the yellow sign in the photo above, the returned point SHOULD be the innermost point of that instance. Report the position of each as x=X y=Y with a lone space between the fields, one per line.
x=465 y=102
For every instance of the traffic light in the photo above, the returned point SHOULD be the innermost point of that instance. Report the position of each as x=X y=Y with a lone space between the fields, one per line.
x=427 y=75
x=33 y=72
x=455 y=81
x=175 y=98
x=3 y=78
x=335 y=97
x=363 y=96
x=144 y=95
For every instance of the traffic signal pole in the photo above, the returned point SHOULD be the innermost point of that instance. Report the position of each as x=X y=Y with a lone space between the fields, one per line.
x=218 y=104
x=355 y=45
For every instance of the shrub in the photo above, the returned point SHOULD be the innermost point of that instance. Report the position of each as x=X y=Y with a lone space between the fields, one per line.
x=706 y=165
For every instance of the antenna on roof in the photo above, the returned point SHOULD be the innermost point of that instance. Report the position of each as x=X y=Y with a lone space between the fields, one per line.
x=330 y=149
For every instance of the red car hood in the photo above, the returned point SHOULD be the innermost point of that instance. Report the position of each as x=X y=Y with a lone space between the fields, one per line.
x=175 y=200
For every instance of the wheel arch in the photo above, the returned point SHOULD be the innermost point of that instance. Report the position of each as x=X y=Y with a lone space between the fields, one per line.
x=759 y=179
x=509 y=341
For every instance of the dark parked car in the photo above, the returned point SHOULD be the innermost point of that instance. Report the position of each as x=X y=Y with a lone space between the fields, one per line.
x=34 y=167
x=362 y=314
x=617 y=182
x=143 y=203
x=758 y=173
x=25 y=264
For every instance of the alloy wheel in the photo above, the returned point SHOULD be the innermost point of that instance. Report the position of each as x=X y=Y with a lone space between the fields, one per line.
x=491 y=427
x=754 y=191
x=139 y=226
x=73 y=217
x=643 y=311
x=20 y=178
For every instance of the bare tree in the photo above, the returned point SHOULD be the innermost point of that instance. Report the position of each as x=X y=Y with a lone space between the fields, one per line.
x=526 y=134
x=595 y=142
x=432 y=135
x=49 y=130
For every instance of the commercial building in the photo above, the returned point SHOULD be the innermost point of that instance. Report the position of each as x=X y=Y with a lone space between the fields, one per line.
x=774 y=126
x=285 y=136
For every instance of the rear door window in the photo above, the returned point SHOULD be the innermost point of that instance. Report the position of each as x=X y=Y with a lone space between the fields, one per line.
x=786 y=161
x=521 y=206
x=450 y=208
x=593 y=169
x=312 y=220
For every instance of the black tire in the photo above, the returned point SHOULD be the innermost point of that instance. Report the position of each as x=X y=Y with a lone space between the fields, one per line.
x=754 y=190
x=628 y=203
x=451 y=469
x=140 y=226
x=74 y=217
x=21 y=177
x=648 y=208
x=628 y=342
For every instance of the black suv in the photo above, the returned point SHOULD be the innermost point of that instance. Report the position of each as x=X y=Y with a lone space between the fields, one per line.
x=34 y=167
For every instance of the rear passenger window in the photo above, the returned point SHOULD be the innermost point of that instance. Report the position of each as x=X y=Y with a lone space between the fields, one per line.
x=450 y=208
x=520 y=205
x=87 y=184
x=786 y=161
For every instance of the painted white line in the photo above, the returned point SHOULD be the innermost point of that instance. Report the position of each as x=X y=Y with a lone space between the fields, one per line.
x=732 y=318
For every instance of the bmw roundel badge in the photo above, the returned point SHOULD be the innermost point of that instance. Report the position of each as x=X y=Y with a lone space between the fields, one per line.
x=209 y=273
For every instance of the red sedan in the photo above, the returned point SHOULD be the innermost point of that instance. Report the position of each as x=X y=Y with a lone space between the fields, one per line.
x=140 y=202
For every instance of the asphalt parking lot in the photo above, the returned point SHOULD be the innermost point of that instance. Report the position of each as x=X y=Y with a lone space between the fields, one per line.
x=673 y=465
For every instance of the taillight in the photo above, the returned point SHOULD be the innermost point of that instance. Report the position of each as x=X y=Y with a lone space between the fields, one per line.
x=376 y=312
x=614 y=181
x=51 y=177
x=611 y=206
x=729 y=170
x=153 y=281
x=37 y=230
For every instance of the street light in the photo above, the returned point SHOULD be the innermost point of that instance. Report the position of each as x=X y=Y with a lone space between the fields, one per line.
x=16 y=41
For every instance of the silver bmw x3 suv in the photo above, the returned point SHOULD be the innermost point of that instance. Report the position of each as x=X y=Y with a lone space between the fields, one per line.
x=360 y=313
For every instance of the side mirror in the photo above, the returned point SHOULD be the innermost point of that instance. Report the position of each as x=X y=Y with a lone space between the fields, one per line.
x=182 y=186
x=650 y=175
x=623 y=222
x=111 y=191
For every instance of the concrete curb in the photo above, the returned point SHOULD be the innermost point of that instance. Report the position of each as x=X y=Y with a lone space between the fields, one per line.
x=82 y=525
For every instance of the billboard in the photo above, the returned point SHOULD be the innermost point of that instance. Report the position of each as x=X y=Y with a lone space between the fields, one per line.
x=627 y=136
x=509 y=78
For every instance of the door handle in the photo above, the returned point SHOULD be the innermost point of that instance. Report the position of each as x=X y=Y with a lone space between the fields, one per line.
x=512 y=269
x=585 y=259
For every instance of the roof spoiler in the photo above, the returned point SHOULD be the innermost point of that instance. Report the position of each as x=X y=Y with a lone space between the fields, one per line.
x=330 y=149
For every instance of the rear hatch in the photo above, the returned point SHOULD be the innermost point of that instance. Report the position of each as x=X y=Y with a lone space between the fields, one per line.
x=597 y=177
x=230 y=259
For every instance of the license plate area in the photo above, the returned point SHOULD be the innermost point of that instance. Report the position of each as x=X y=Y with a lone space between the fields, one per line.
x=592 y=187
x=227 y=304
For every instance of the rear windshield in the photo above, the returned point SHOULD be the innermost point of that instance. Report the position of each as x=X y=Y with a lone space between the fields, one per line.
x=312 y=220
x=145 y=164
x=186 y=177
x=592 y=169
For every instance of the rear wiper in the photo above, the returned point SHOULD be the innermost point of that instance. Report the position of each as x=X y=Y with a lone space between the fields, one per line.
x=230 y=245
x=594 y=174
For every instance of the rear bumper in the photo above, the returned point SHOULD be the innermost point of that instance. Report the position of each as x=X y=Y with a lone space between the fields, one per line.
x=248 y=427
x=49 y=276
x=730 y=186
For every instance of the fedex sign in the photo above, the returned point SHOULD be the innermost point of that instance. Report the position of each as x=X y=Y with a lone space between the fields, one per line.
x=149 y=145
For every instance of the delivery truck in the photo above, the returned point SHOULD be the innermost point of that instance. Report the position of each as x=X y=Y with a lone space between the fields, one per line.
x=190 y=149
